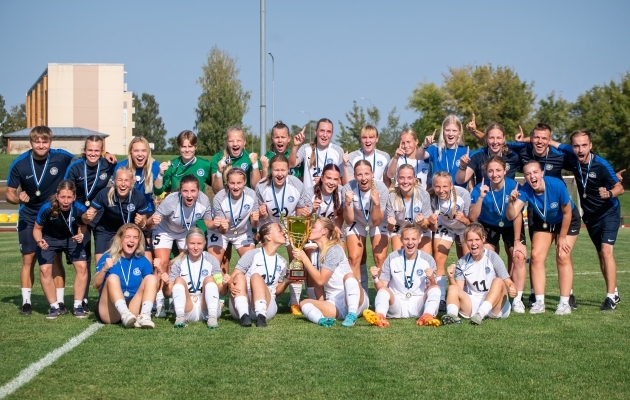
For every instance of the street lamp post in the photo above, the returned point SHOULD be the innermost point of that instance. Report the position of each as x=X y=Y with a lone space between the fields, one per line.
x=365 y=98
x=273 y=88
x=310 y=132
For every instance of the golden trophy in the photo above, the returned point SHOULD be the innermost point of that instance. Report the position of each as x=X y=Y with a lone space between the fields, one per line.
x=297 y=231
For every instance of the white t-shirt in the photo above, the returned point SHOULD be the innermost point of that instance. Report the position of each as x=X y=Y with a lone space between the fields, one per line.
x=285 y=199
x=448 y=208
x=404 y=211
x=173 y=222
x=336 y=261
x=195 y=272
x=362 y=203
x=397 y=270
x=236 y=210
x=378 y=159
x=333 y=154
x=271 y=268
x=480 y=274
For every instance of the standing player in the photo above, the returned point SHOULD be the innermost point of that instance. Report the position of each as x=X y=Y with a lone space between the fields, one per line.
x=479 y=285
x=58 y=228
x=377 y=158
x=406 y=154
x=555 y=218
x=412 y=294
x=340 y=297
x=280 y=137
x=314 y=156
x=365 y=201
x=258 y=278
x=489 y=205
x=599 y=187
x=234 y=156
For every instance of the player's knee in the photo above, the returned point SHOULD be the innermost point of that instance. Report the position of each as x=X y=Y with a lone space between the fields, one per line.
x=81 y=268
x=45 y=270
x=181 y=281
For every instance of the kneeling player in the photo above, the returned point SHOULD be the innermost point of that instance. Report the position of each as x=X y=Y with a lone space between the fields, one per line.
x=406 y=286
x=479 y=285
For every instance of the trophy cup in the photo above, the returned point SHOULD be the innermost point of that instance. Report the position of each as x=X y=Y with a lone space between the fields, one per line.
x=297 y=231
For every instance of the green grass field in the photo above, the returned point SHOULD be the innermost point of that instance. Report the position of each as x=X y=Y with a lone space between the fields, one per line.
x=583 y=355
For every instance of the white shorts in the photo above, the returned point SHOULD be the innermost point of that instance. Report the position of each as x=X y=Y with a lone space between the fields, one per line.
x=448 y=234
x=272 y=308
x=197 y=313
x=476 y=301
x=358 y=229
x=404 y=307
x=218 y=239
x=340 y=303
x=164 y=240
x=424 y=234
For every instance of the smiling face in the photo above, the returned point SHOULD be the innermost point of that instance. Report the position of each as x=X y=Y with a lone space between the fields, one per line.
x=496 y=172
x=451 y=134
x=330 y=181
x=368 y=142
x=495 y=140
x=408 y=144
x=324 y=133
x=582 y=146
x=534 y=176
x=474 y=243
x=236 y=183
x=189 y=192
x=93 y=151
x=187 y=150
x=40 y=147
x=406 y=180
x=235 y=143
x=410 y=239
x=65 y=197
x=363 y=174
x=196 y=245
x=123 y=182
x=540 y=141
x=280 y=139
x=442 y=186
x=130 y=241
x=139 y=154
x=279 y=172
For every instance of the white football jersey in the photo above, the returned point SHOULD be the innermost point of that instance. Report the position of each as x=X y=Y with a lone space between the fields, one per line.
x=176 y=224
x=335 y=260
x=195 y=272
x=283 y=200
x=333 y=154
x=406 y=211
x=446 y=209
x=237 y=211
x=362 y=203
x=480 y=274
x=327 y=208
x=407 y=276
x=378 y=159
x=271 y=268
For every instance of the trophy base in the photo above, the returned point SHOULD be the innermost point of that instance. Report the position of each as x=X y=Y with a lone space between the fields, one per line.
x=296 y=271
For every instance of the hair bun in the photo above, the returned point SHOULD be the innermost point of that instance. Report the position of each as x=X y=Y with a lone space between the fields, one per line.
x=279 y=122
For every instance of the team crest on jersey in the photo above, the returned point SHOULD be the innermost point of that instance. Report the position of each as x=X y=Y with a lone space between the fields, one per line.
x=420 y=272
x=592 y=174
x=416 y=209
x=548 y=167
x=457 y=207
x=507 y=167
x=54 y=171
x=278 y=268
x=204 y=272
x=329 y=161
x=201 y=172
x=292 y=171
x=424 y=170
x=291 y=199
x=131 y=207
x=103 y=176
x=247 y=206
x=553 y=205
x=507 y=198
x=487 y=270
x=136 y=271
x=379 y=163
x=244 y=166
x=198 y=215
x=457 y=163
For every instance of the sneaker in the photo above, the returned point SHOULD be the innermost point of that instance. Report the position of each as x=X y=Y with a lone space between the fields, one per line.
x=428 y=320
x=85 y=307
x=79 y=312
x=538 y=307
x=246 y=322
x=476 y=319
x=374 y=318
x=62 y=309
x=326 y=322
x=128 y=319
x=144 y=321
x=450 y=319
x=617 y=299
x=212 y=323
x=518 y=307
x=171 y=307
x=27 y=309
x=608 y=304
x=54 y=313
x=531 y=300
x=295 y=310
x=159 y=312
x=563 y=309
x=261 y=321
x=572 y=302
x=442 y=307
x=180 y=322
x=350 y=320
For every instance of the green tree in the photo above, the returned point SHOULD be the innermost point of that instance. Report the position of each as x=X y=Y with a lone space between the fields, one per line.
x=554 y=112
x=389 y=135
x=349 y=137
x=3 y=116
x=148 y=121
x=222 y=102
x=428 y=100
x=16 y=119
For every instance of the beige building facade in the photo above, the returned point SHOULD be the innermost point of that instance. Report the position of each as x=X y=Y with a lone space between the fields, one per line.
x=89 y=96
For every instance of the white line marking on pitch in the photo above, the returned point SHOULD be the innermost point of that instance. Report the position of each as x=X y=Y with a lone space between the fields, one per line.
x=590 y=273
x=32 y=370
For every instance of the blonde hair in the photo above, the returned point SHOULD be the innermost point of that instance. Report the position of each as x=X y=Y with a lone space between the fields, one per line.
x=369 y=130
x=409 y=226
x=112 y=190
x=333 y=236
x=116 y=247
x=146 y=170
x=477 y=228
x=40 y=132
x=226 y=154
x=194 y=231
x=450 y=119
x=410 y=132
x=445 y=174
x=398 y=199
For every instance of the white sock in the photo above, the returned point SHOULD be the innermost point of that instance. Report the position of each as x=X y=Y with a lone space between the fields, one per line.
x=611 y=296
x=484 y=309
x=571 y=291
x=211 y=295
x=452 y=309
x=312 y=313
x=26 y=295
x=519 y=296
x=240 y=303
x=159 y=299
x=145 y=309
x=85 y=301
x=77 y=303
x=260 y=307
x=441 y=281
x=364 y=277
x=540 y=298
x=432 y=303
x=616 y=292
x=60 y=293
x=295 y=289
x=121 y=306
x=179 y=299
x=54 y=305
x=381 y=303
x=353 y=294
x=310 y=292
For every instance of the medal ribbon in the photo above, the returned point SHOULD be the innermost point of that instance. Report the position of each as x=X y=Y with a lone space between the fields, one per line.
x=126 y=279
x=122 y=213
x=366 y=216
x=273 y=278
x=585 y=181
x=234 y=220
x=68 y=222
x=88 y=193
x=41 y=178
x=196 y=287
x=275 y=199
x=502 y=202
x=409 y=279
x=185 y=223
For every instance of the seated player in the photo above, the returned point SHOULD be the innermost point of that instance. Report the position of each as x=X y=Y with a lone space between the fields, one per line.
x=479 y=285
x=406 y=286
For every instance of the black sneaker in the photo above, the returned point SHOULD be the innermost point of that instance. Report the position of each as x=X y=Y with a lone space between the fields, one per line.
x=261 y=321
x=617 y=299
x=572 y=302
x=246 y=322
x=85 y=307
x=442 y=307
x=62 y=309
x=79 y=312
x=531 y=300
x=608 y=304
x=27 y=309
x=54 y=313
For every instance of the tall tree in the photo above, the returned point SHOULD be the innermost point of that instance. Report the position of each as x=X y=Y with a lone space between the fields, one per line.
x=148 y=121
x=428 y=100
x=350 y=135
x=389 y=135
x=222 y=102
x=16 y=119
x=554 y=112
x=3 y=116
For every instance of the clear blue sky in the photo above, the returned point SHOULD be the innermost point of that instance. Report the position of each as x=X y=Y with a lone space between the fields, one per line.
x=328 y=53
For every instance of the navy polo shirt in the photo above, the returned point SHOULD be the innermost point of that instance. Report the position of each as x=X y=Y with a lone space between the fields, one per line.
x=64 y=225
x=552 y=163
x=479 y=158
x=139 y=182
x=111 y=217
x=77 y=173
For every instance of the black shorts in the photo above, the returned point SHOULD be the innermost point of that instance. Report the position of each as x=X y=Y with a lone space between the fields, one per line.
x=25 y=236
x=98 y=315
x=148 y=240
x=74 y=251
x=102 y=241
x=603 y=228
x=536 y=224
x=495 y=233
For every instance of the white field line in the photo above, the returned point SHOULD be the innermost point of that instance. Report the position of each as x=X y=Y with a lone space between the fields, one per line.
x=32 y=370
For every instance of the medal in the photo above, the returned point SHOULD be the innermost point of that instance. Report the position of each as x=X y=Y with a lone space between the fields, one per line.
x=126 y=293
x=542 y=214
x=38 y=193
x=88 y=192
x=408 y=295
x=584 y=195
x=87 y=203
x=126 y=278
x=268 y=281
x=588 y=171
x=545 y=226
x=366 y=213
x=195 y=288
x=501 y=224
x=234 y=232
x=195 y=299
x=41 y=178
x=409 y=279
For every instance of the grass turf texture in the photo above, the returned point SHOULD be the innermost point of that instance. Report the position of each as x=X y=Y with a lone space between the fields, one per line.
x=581 y=355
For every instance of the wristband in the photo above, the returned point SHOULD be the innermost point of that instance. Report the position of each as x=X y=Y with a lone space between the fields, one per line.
x=374 y=280
x=160 y=176
x=610 y=194
x=219 y=175
x=256 y=166
x=462 y=169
